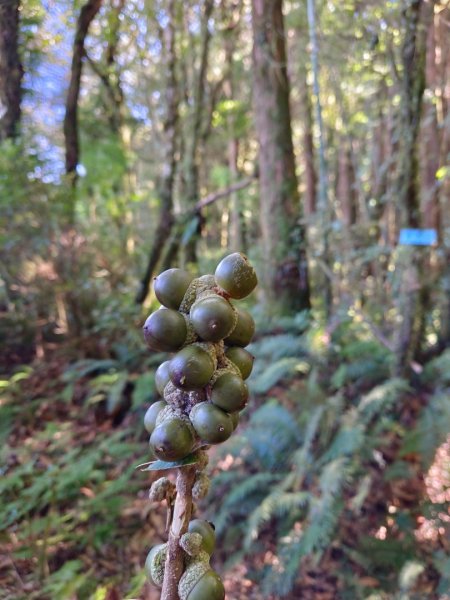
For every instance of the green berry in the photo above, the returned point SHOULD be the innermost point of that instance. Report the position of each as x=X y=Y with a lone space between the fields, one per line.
x=213 y=318
x=152 y=414
x=229 y=392
x=212 y=424
x=244 y=331
x=191 y=368
x=172 y=440
x=165 y=330
x=236 y=276
x=208 y=587
x=171 y=286
x=154 y=564
x=206 y=530
x=242 y=359
x=162 y=376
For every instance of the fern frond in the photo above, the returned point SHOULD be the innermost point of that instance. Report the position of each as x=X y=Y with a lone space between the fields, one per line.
x=438 y=369
x=277 y=505
x=252 y=488
x=431 y=430
x=279 y=346
x=272 y=435
x=284 y=368
x=346 y=442
x=302 y=458
x=380 y=399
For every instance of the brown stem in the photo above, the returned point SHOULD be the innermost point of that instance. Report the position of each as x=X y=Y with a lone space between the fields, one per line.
x=181 y=517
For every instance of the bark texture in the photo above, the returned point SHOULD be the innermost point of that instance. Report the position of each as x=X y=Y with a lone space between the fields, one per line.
x=71 y=134
x=286 y=271
x=11 y=71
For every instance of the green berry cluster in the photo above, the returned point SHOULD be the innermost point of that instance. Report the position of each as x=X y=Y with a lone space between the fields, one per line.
x=199 y=581
x=203 y=389
x=203 y=383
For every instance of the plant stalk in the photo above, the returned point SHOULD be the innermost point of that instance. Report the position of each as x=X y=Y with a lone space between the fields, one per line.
x=181 y=516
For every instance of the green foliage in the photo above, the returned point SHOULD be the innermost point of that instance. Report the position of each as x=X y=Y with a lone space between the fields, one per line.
x=313 y=466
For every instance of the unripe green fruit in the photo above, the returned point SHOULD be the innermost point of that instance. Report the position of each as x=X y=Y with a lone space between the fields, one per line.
x=236 y=276
x=162 y=376
x=242 y=359
x=208 y=587
x=213 y=318
x=244 y=331
x=154 y=564
x=234 y=419
x=152 y=414
x=165 y=330
x=170 y=287
x=212 y=424
x=191 y=368
x=206 y=530
x=172 y=440
x=229 y=392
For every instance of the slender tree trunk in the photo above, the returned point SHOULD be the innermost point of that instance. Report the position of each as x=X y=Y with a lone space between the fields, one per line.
x=345 y=191
x=286 y=270
x=71 y=134
x=11 y=71
x=308 y=144
x=164 y=228
x=413 y=290
x=430 y=138
x=236 y=218
x=195 y=132
x=323 y=202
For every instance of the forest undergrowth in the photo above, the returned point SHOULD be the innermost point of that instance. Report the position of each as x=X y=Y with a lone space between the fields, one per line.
x=336 y=486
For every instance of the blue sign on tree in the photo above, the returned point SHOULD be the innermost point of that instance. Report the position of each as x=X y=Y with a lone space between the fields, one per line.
x=418 y=237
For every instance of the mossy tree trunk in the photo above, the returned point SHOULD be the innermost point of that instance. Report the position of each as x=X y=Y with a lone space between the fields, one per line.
x=285 y=276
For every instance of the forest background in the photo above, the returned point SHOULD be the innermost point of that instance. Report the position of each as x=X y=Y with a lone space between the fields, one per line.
x=137 y=135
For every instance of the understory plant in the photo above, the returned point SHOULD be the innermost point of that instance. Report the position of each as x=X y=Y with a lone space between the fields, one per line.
x=203 y=388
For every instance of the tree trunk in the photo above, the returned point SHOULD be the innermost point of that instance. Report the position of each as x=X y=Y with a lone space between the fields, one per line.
x=285 y=275
x=345 y=183
x=323 y=203
x=71 y=135
x=191 y=172
x=11 y=71
x=308 y=144
x=413 y=293
x=166 y=184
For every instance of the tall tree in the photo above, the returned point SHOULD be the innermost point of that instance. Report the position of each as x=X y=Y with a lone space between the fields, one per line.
x=286 y=270
x=194 y=132
x=11 y=71
x=71 y=133
x=413 y=296
x=167 y=177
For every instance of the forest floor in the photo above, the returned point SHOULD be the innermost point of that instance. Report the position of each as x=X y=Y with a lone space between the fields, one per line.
x=77 y=512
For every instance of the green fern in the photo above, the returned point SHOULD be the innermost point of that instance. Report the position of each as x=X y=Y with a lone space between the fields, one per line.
x=277 y=505
x=432 y=429
x=282 y=369
x=256 y=486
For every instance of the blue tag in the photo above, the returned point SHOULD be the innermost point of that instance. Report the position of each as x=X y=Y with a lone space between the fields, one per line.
x=418 y=237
